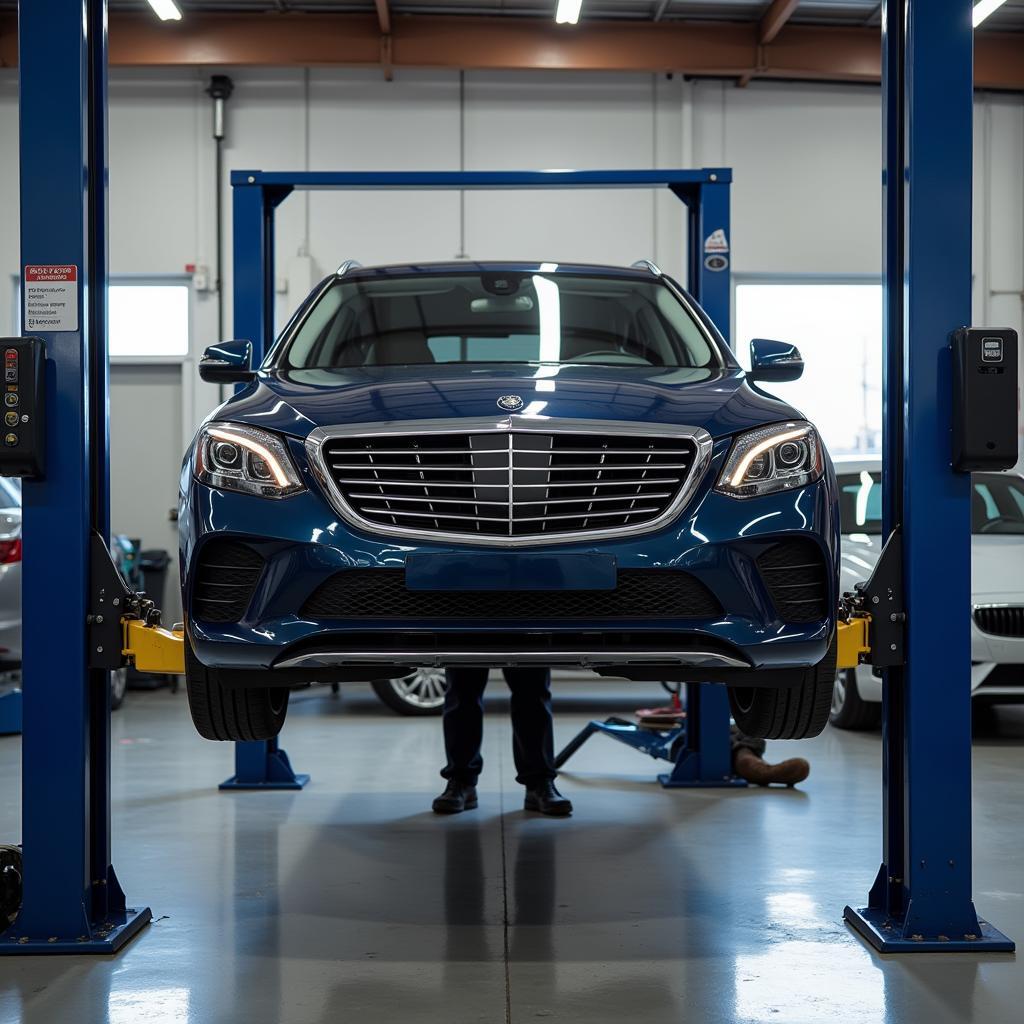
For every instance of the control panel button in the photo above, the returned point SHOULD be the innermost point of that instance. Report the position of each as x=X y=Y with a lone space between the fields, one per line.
x=11 y=419
x=10 y=399
x=11 y=374
x=10 y=440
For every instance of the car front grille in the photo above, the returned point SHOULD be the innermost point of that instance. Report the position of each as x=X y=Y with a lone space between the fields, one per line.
x=794 y=573
x=508 y=485
x=1001 y=621
x=226 y=576
x=640 y=594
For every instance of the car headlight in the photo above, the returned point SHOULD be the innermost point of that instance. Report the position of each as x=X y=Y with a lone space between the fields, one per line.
x=772 y=459
x=236 y=457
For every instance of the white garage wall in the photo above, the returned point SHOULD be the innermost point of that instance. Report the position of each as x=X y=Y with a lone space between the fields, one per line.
x=806 y=198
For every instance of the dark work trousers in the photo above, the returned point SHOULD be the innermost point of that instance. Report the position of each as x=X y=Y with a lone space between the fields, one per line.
x=533 y=741
x=739 y=742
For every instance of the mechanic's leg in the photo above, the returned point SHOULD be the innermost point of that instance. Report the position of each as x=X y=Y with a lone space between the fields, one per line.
x=463 y=733
x=533 y=739
x=748 y=763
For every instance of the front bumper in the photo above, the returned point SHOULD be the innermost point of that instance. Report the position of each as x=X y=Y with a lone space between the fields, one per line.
x=716 y=540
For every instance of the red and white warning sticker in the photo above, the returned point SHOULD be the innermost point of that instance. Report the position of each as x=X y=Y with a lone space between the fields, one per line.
x=51 y=297
x=716 y=241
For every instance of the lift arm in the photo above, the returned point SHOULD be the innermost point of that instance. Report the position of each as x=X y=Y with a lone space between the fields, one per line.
x=152 y=648
x=873 y=621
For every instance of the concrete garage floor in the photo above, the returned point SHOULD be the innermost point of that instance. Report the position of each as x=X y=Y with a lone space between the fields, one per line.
x=351 y=902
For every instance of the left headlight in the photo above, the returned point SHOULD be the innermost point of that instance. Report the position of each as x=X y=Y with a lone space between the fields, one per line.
x=772 y=459
x=237 y=457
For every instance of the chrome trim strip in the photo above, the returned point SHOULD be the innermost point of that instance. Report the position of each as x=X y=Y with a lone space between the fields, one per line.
x=346 y=267
x=438 y=659
x=509 y=424
x=647 y=265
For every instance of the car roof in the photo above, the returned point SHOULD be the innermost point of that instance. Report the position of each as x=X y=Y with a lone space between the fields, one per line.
x=352 y=271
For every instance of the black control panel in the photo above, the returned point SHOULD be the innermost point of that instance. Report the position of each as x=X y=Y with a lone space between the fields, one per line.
x=23 y=438
x=986 y=409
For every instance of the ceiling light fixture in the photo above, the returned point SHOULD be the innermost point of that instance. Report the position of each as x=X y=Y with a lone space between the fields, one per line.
x=983 y=8
x=568 y=12
x=166 y=10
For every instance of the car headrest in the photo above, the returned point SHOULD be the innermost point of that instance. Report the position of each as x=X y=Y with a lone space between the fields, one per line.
x=397 y=348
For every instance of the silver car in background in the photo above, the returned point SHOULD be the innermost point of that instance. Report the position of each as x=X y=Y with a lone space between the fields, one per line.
x=10 y=596
x=10 y=574
x=997 y=585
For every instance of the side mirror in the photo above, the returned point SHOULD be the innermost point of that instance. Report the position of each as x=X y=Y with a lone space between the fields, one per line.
x=774 y=361
x=227 y=363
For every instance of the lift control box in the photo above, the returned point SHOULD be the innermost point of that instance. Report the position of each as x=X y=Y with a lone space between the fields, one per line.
x=23 y=435
x=985 y=399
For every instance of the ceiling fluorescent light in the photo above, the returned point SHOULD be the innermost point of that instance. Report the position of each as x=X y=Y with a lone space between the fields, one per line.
x=568 y=12
x=166 y=10
x=983 y=8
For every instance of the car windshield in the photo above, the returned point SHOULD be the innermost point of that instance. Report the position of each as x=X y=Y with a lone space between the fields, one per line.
x=499 y=317
x=10 y=492
x=997 y=503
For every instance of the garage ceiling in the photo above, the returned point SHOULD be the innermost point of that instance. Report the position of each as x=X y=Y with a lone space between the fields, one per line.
x=1010 y=17
x=813 y=40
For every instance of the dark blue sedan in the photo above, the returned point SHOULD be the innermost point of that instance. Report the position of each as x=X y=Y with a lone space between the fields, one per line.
x=506 y=464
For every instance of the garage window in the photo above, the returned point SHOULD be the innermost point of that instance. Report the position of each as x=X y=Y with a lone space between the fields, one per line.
x=837 y=325
x=148 y=321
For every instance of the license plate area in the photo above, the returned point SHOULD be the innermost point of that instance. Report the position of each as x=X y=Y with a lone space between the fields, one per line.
x=510 y=570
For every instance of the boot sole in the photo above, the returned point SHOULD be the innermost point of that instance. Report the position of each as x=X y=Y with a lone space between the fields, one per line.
x=469 y=805
x=532 y=805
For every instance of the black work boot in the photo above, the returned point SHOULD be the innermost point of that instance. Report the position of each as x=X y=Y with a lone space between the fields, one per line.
x=457 y=797
x=546 y=799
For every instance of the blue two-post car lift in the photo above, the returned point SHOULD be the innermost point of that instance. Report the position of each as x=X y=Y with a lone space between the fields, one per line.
x=705 y=758
x=921 y=901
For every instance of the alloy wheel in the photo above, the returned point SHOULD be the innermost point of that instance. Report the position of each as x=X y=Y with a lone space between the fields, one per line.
x=422 y=688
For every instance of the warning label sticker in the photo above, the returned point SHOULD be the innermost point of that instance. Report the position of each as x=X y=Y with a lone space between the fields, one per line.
x=51 y=297
x=716 y=242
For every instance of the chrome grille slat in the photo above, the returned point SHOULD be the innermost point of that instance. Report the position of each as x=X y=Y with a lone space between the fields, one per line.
x=537 y=501
x=660 y=481
x=523 y=480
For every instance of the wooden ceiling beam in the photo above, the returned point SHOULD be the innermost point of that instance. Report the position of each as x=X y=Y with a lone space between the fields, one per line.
x=702 y=49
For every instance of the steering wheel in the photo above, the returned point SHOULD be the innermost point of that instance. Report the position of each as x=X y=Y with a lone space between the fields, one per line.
x=987 y=526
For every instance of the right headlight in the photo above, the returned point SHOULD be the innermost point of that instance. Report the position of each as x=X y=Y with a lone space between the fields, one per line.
x=237 y=457
x=772 y=459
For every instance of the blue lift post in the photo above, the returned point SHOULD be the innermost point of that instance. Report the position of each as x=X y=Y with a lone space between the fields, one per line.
x=707 y=758
x=72 y=902
x=921 y=900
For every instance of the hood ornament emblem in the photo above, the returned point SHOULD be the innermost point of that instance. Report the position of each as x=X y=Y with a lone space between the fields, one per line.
x=510 y=403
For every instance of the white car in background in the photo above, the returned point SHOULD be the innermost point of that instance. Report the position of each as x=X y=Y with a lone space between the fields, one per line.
x=997 y=585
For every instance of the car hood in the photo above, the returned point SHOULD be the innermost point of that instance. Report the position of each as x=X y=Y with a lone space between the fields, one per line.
x=995 y=564
x=294 y=402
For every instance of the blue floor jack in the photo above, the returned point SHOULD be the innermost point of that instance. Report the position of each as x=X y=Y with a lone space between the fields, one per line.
x=699 y=747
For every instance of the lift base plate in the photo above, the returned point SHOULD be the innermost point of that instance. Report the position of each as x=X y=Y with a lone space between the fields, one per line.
x=886 y=935
x=729 y=782
x=103 y=941
x=297 y=781
x=263 y=765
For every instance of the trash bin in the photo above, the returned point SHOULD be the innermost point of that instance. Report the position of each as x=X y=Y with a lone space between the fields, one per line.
x=153 y=565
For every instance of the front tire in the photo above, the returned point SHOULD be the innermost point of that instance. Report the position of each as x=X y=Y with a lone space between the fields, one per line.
x=849 y=710
x=787 y=713
x=419 y=693
x=232 y=713
x=118 y=687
